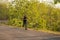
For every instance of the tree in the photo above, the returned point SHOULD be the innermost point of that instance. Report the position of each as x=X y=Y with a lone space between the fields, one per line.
x=39 y=15
x=55 y=1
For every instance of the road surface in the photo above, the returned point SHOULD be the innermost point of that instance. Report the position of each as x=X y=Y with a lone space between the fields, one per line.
x=8 y=33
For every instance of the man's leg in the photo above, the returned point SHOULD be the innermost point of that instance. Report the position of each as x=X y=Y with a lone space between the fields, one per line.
x=25 y=26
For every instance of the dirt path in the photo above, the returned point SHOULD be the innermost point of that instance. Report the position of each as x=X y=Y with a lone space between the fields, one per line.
x=8 y=33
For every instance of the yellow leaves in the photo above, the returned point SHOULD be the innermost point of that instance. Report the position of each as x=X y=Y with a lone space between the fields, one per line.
x=15 y=22
x=43 y=8
x=37 y=13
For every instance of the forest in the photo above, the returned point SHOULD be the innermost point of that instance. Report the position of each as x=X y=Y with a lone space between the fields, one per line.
x=39 y=15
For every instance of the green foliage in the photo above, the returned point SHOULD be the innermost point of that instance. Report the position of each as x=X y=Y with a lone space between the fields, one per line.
x=3 y=11
x=15 y=22
x=55 y=1
x=39 y=15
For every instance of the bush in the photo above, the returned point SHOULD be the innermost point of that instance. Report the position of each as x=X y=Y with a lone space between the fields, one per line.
x=15 y=22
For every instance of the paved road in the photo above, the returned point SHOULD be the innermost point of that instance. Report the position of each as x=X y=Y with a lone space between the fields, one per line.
x=8 y=33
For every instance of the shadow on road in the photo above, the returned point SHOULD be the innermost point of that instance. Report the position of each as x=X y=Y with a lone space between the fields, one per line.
x=53 y=38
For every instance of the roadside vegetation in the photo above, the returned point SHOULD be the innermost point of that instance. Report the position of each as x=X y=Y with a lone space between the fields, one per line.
x=39 y=15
